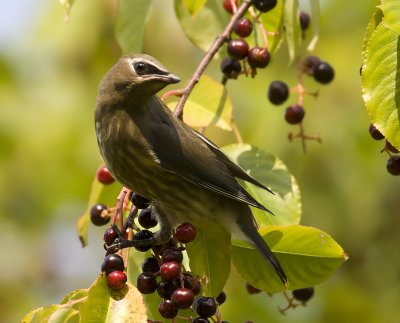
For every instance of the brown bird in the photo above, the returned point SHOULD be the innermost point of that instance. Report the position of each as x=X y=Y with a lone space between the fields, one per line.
x=152 y=152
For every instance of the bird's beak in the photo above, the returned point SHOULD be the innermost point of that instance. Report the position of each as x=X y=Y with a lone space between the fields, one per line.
x=171 y=79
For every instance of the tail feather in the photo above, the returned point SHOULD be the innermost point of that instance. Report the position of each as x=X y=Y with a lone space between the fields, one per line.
x=246 y=224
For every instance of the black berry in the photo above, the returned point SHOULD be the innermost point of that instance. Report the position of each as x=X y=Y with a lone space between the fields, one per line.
x=146 y=283
x=391 y=148
x=294 y=114
x=150 y=265
x=172 y=254
x=221 y=298
x=308 y=64
x=200 y=320
x=304 y=18
x=251 y=289
x=323 y=73
x=237 y=48
x=170 y=270
x=146 y=219
x=231 y=67
x=278 y=92
x=185 y=232
x=243 y=27
x=142 y=235
x=205 y=306
x=110 y=235
x=375 y=133
x=258 y=57
x=264 y=5
x=139 y=201
x=166 y=288
x=393 y=165
x=168 y=309
x=112 y=263
x=303 y=294
x=98 y=216
x=104 y=176
x=116 y=280
x=183 y=298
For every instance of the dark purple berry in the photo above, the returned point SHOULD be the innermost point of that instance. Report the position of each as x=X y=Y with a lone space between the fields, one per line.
x=139 y=201
x=170 y=270
x=264 y=5
x=237 y=48
x=116 y=280
x=142 y=235
x=258 y=57
x=98 y=214
x=391 y=148
x=375 y=133
x=183 y=298
x=196 y=289
x=251 y=289
x=393 y=165
x=323 y=73
x=104 y=176
x=168 y=309
x=231 y=67
x=303 y=294
x=200 y=320
x=172 y=254
x=150 y=265
x=221 y=298
x=185 y=232
x=146 y=283
x=146 y=219
x=112 y=263
x=205 y=306
x=243 y=27
x=166 y=288
x=278 y=92
x=308 y=64
x=304 y=18
x=294 y=114
x=109 y=236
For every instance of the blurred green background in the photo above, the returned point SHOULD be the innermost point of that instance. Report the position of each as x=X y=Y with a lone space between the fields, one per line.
x=49 y=73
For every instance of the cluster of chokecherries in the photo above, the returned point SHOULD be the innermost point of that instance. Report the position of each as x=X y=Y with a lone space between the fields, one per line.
x=162 y=272
x=393 y=162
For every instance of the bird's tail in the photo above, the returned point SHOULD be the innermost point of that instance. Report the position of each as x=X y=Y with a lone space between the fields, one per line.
x=247 y=225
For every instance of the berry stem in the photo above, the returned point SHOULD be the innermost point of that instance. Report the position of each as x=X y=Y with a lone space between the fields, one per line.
x=216 y=45
x=264 y=33
x=121 y=205
x=236 y=131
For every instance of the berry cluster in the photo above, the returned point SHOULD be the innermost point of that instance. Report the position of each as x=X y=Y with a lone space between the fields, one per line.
x=393 y=162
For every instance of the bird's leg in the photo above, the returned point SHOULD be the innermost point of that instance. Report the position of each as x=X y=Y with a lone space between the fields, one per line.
x=158 y=238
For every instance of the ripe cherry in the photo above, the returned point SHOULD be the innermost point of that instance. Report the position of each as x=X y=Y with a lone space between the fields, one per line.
x=185 y=232
x=237 y=48
x=258 y=57
x=294 y=114
x=104 y=176
x=116 y=280
x=98 y=214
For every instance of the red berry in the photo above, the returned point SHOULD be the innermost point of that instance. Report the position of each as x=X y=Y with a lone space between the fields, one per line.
x=375 y=133
x=112 y=262
x=168 y=309
x=183 y=298
x=170 y=270
x=104 y=176
x=185 y=232
x=243 y=27
x=230 y=6
x=393 y=165
x=238 y=48
x=116 y=280
x=258 y=57
x=294 y=114
x=98 y=215
x=109 y=236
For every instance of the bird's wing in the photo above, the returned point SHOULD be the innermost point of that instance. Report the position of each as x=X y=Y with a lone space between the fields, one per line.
x=179 y=149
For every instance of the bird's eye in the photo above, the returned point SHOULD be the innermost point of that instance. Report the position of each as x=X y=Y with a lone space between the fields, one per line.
x=140 y=68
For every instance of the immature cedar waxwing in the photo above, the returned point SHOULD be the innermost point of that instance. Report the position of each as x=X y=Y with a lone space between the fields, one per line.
x=152 y=152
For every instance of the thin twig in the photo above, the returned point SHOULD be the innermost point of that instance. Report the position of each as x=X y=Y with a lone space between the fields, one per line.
x=216 y=45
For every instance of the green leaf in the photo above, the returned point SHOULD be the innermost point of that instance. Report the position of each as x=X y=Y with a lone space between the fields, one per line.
x=270 y=171
x=272 y=22
x=314 y=5
x=40 y=314
x=307 y=255
x=208 y=105
x=202 y=28
x=210 y=258
x=194 y=6
x=67 y=4
x=64 y=315
x=381 y=82
x=391 y=12
x=130 y=24
x=373 y=23
x=292 y=27
x=99 y=193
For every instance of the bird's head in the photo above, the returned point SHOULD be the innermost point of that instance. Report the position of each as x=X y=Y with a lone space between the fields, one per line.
x=136 y=76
